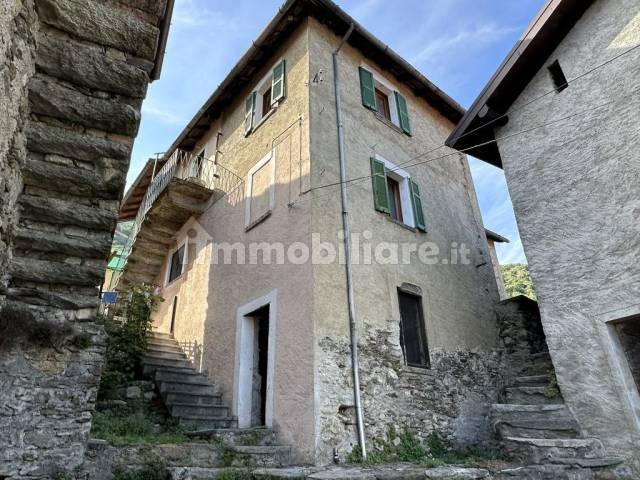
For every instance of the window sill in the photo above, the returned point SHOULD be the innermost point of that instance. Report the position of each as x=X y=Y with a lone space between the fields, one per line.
x=390 y=124
x=258 y=221
x=400 y=224
x=174 y=281
x=265 y=118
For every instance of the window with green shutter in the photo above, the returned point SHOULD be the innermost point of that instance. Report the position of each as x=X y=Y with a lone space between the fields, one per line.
x=249 y=106
x=403 y=113
x=418 y=214
x=380 y=189
x=367 y=89
x=278 y=82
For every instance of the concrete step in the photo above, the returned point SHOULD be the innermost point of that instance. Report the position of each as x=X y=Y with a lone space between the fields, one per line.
x=507 y=411
x=175 y=387
x=160 y=341
x=545 y=450
x=162 y=363
x=152 y=349
x=149 y=369
x=201 y=423
x=161 y=335
x=238 y=436
x=180 y=410
x=174 y=355
x=530 y=396
x=546 y=428
x=266 y=456
x=173 y=398
x=531 y=381
x=180 y=377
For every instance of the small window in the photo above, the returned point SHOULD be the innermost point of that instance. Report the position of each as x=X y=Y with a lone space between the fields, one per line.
x=176 y=265
x=395 y=202
x=413 y=338
x=396 y=194
x=268 y=93
x=382 y=102
x=260 y=193
x=558 y=77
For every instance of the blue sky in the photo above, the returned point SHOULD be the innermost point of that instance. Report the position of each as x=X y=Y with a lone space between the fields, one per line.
x=457 y=44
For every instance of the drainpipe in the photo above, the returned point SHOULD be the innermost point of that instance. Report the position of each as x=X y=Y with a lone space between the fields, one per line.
x=355 y=366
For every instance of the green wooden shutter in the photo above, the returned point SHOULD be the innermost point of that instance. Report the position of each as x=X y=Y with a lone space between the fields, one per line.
x=380 y=189
x=249 y=106
x=278 y=82
x=403 y=113
x=416 y=201
x=367 y=89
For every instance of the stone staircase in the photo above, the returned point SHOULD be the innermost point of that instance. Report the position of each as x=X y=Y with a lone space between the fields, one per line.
x=532 y=421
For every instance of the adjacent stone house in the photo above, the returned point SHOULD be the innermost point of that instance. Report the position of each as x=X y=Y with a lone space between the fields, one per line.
x=251 y=180
x=560 y=116
x=73 y=75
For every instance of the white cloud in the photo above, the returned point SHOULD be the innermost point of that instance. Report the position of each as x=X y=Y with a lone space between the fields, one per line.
x=162 y=114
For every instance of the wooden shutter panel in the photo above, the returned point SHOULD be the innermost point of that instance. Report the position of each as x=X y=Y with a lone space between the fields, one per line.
x=278 y=82
x=416 y=201
x=403 y=113
x=367 y=89
x=380 y=189
x=249 y=106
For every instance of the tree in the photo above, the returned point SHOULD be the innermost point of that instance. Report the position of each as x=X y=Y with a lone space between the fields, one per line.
x=517 y=280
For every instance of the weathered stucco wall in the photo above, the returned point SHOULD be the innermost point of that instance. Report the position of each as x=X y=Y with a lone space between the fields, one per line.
x=80 y=109
x=457 y=299
x=209 y=296
x=574 y=186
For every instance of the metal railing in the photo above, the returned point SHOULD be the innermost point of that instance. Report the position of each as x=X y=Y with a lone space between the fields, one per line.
x=185 y=166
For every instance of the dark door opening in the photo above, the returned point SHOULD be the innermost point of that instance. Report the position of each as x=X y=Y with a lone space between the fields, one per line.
x=260 y=361
x=173 y=314
x=413 y=337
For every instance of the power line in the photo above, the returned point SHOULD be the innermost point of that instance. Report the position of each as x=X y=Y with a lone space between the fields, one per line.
x=490 y=122
x=457 y=152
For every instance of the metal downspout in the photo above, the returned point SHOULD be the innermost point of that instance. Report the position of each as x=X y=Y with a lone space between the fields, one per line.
x=355 y=366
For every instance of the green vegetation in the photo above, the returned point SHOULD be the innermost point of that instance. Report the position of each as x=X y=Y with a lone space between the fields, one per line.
x=127 y=340
x=153 y=470
x=406 y=447
x=130 y=427
x=517 y=280
x=552 y=390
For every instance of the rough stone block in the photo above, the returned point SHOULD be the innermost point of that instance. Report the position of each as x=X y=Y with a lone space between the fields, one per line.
x=48 y=139
x=56 y=211
x=101 y=23
x=88 y=66
x=154 y=7
x=88 y=247
x=42 y=271
x=49 y=97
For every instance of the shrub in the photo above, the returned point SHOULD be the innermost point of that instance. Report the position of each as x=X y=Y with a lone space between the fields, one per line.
x=127 y=340
x=153 y=470
x=135 y=428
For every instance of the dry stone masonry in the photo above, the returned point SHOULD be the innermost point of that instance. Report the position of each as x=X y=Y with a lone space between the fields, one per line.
x=73 y=74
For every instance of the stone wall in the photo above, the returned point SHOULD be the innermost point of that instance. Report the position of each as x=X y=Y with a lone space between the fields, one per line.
x=77 y=75
x=574 y=187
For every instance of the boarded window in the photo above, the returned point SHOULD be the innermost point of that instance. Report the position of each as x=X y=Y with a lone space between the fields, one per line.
x=175 y=267
x=260 y=190
x=413 y=338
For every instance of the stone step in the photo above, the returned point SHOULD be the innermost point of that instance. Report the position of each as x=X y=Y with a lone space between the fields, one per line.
x=507 y=411
x=531 y=381
x=200 y=423
x=154 y=349
x=530 y=396
x=193 y=378
x=149 y=369
x=545 y=450
x=180 y=410
x=161 y=362
x=543 y=472
x=176 y=387
x=161 y=335
x=545 y=428
x=162 y=342
x=238 y=436
x=172 y=398
x=266 y=455
x=599 y=462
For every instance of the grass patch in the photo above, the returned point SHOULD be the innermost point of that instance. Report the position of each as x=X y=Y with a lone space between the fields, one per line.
x=135 y=428
x=153 y=470
x=406 y=447
x=552 y=390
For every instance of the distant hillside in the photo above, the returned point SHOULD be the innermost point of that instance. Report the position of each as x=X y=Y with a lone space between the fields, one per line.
x=517 y=280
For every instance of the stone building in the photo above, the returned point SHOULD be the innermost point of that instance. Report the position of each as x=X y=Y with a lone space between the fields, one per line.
x=73 y=75
x=560 y=116
x=253 y=176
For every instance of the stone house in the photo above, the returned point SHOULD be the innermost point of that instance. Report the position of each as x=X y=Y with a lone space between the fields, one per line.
x=223 y=221
x=73 y=75
x=560 y=116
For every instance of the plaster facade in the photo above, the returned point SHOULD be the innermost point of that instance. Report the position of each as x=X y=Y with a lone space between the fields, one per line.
x=312 y=394
x=574 y=187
